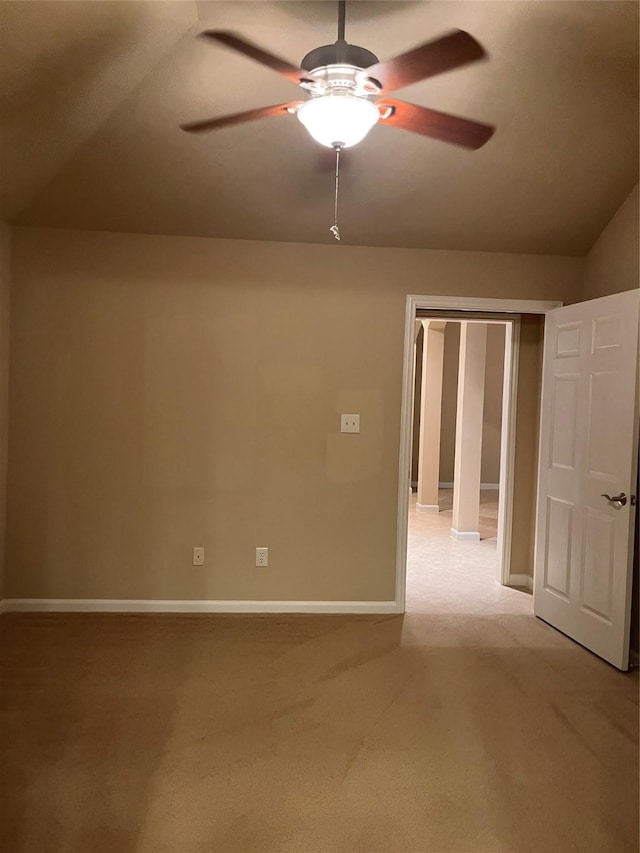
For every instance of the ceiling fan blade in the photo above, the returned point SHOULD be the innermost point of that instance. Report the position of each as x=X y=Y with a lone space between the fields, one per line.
x=443 y=54
x=258 y=54
x=238 y=118
x=459 y=131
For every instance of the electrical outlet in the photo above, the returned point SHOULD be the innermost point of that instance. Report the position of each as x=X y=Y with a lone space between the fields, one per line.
x=198 y=556
x=262 y=556
x=349 y=423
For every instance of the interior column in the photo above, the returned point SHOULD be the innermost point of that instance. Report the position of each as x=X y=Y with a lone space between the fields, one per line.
x=430 y=416
x=468 y=453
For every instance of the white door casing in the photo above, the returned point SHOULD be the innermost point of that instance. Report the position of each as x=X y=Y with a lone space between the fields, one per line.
x=588 y=448
x=473 y=304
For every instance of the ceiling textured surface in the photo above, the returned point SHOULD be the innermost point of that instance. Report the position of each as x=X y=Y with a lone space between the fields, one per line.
x=92 y=93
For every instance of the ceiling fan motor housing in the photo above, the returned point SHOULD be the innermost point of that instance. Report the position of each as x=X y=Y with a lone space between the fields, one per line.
x=340 y=80
x=339 y=53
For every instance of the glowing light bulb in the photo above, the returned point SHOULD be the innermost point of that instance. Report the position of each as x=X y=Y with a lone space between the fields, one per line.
x=338 y=121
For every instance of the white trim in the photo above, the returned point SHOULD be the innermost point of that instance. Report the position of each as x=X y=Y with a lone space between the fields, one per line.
x=508 y=449
x=405 y=455
x=464 y=535
x=495 y=486
x=3 y=606
x=427 y=507
x=521 y=580
x=451 y=303
x=124 y=605
x=492 y=306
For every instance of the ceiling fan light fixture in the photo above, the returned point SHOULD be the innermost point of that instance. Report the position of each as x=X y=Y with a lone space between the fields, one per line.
x=338 y=121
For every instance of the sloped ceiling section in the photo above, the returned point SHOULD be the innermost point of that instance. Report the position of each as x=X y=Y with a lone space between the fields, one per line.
x=65 y=67
x=93 y=93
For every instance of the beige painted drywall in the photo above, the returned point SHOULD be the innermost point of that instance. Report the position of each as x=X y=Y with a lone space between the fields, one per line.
x=5 y=251
x=527 y=433
x=169 y=392
x=613 y=263
x=492 y=416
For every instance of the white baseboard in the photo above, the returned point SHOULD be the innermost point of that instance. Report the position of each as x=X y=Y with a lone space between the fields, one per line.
x=521 y=580
x=464 y=535
x=495 y=486
x=121 y=605
x=428 y=507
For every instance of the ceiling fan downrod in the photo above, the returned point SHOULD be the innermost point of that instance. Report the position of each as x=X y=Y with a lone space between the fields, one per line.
x=340 y=52
x=342 y=10
x=341 y=44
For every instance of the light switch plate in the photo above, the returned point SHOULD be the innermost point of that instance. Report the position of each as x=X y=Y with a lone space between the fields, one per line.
x=349 y=423
x=198 y=556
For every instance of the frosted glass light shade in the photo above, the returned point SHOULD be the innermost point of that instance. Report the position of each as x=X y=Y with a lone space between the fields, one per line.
x=338 y=121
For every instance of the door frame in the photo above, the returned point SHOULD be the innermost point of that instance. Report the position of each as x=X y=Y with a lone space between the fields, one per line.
x=417 y=303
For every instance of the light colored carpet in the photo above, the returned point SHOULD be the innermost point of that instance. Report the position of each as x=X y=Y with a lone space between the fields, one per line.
x=443 y=730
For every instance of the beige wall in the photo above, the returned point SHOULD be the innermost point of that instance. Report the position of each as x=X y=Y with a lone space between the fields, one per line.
x=613 y=263
x=5 y=249
x=492 y=417
x=527 y=431
x=170 y=392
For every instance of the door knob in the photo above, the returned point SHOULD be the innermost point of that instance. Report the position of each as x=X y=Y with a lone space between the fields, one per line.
x=618 y=500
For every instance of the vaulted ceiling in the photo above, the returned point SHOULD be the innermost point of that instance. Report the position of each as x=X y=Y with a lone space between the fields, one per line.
x=92 y=94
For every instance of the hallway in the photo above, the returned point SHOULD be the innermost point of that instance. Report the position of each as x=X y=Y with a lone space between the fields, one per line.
x=445 y=576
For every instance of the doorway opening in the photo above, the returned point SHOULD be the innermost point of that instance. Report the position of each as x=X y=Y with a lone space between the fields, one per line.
x=456 y=509
x=446 y=511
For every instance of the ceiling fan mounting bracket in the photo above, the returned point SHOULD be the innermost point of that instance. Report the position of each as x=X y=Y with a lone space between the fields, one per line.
x=338 y=53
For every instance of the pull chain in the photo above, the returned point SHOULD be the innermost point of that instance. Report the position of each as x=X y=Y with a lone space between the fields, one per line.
x=335 y=230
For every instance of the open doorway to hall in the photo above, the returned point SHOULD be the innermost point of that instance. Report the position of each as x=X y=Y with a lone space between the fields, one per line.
x=458 y=447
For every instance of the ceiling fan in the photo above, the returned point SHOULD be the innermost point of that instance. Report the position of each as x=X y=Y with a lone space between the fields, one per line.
x=344 y=83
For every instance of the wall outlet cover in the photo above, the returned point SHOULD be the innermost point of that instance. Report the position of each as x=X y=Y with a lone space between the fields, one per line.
x=349 y=423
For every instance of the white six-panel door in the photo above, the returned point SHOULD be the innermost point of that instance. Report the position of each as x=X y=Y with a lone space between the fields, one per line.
x=588 y=446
